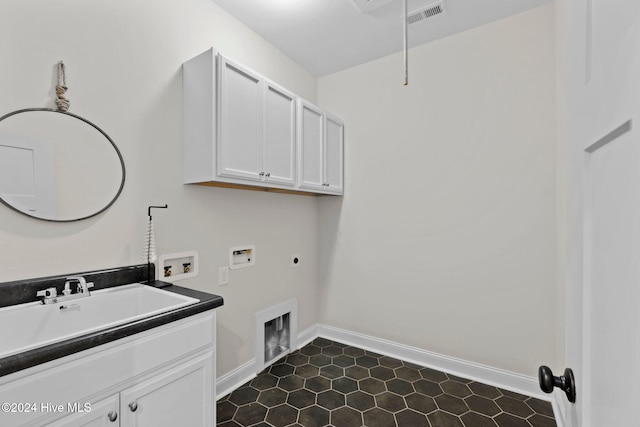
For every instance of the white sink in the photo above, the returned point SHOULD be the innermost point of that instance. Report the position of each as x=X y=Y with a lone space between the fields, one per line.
x=34 y=325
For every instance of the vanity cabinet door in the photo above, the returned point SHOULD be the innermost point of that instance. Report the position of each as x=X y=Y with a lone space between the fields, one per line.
x=182 y=396
x=239 y=148
x=279 y=135
x=104 y=413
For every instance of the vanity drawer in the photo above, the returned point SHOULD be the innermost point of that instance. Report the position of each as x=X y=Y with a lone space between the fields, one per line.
x=79 y=377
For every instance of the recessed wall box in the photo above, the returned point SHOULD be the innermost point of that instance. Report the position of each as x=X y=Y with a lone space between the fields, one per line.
x=242 y=256
x=172 y=267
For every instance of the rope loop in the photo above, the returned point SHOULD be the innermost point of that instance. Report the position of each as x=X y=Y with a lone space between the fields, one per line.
x=62 y=102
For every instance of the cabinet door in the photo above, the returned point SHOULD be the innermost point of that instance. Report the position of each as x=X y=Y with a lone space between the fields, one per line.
x=333 y=154
x=240 y=122
x=311 y=155
x=279 y=135
x=182 y=396
x=101 y=414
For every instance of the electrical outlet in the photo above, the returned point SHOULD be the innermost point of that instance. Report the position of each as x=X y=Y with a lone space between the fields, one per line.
x=296 y=260
x=223 y=276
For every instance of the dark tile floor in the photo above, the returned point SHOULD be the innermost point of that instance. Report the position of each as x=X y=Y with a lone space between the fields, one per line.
x=327 y=383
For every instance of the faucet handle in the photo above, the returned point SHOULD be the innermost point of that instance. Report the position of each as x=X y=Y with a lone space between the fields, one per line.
x=47 y=293
x=83 y=286
x=82 y=283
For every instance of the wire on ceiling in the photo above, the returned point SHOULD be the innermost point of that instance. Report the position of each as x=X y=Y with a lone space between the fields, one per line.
x=406 y=49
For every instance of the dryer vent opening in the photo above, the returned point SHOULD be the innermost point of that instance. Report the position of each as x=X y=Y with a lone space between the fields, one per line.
x=277 y=338
x=276 y=333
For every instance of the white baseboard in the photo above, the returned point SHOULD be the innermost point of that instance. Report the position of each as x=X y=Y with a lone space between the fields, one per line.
x=518 y=383
x=234 y=379
x=246 y=372
x=308 y=335
x=559 y=408
x=463 y=368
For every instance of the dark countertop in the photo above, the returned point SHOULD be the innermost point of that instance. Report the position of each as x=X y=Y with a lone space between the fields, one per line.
x=27 y=359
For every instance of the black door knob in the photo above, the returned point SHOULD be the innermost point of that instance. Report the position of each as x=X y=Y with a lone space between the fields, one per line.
x=566 y=383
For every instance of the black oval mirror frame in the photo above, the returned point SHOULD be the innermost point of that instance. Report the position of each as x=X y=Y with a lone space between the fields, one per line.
x=111 y=202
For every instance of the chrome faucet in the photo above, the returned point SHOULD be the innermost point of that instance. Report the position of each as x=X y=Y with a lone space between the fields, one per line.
x=51 y=294
x=82 y=287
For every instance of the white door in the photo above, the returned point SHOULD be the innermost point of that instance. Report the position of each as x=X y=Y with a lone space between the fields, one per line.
x=600 y=50
x=240 y=122
x=279 y=135
x=611 y=304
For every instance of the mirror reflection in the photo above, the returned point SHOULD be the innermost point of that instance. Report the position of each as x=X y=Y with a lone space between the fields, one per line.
x=57 y=166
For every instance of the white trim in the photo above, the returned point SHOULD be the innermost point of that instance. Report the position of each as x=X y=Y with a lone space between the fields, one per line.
x=306 y=336
x=474 y=371
x=234 y=379
x=559 y=403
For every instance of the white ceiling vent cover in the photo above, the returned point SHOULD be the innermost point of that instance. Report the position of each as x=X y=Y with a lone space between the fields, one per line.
x=365 y=6
x=425 y=12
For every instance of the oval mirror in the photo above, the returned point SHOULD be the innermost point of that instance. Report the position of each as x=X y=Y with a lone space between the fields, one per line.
x=57 y=166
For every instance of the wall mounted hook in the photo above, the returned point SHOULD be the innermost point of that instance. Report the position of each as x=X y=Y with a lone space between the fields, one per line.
x=155 y=207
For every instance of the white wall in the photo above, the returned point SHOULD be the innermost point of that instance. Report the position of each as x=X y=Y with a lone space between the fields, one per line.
x=123 y=61
x=446 y=237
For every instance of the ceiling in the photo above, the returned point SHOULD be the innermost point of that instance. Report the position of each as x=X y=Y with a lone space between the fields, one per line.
x=326 y=36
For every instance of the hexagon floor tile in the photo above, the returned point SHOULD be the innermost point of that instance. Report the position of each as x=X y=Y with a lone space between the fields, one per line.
x=327 y=383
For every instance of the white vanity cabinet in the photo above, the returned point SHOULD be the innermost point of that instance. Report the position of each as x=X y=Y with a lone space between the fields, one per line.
x=105 y=413
x=161 y=377
x=181 y=396
x=240 y=128
x=320 y=150
x=178 y=397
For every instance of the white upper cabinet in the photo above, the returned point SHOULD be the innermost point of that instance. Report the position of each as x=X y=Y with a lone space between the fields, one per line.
x=311 y=156
x=278 y=163
x=241 y=129
x=240 y=122
x=320 y=161
x=199 y=109
x=333 y=153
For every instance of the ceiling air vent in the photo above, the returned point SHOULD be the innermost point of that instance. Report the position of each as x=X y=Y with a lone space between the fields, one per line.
x=425 y=12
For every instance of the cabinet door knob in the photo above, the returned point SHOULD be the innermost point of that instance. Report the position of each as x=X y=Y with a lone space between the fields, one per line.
x=261 y=174
x=133 y=406
x=268 y=174
x=112 y=415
